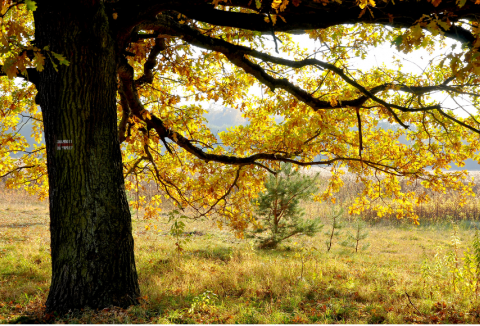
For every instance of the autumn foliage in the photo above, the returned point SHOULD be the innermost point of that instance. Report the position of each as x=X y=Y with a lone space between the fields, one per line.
x=333 y=111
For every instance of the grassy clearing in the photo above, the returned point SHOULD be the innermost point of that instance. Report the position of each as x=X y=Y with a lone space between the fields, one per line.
x=220 y=279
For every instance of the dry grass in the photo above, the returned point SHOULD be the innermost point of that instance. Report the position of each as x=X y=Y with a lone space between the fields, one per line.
x=440 y=206
x=221 y=279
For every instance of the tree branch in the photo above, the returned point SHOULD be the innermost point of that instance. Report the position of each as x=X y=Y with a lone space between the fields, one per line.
x=224 y=196
x=122 y=127
x=151 y=62
x=237 y=55
x=360 y=141
x=17 y=169
x=310 y=15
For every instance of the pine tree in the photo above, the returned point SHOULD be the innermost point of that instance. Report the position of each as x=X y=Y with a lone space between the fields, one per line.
x=360 y=233
x=278 y=207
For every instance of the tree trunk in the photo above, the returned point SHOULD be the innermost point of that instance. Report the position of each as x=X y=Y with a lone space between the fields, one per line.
x=91 y=233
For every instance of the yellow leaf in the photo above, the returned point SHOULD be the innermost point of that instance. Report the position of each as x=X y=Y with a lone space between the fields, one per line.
x=333 y=101
x=274 y=19
x=362 y=12
x=284 y=5
x=276 y=4
x=39 y=60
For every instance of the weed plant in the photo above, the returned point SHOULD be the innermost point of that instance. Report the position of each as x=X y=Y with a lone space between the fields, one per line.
x=335 y=229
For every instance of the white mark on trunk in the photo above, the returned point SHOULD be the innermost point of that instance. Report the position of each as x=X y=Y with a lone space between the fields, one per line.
x=64 y=145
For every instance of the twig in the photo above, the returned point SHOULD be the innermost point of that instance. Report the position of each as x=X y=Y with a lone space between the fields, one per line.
x=17 y=169
x=273 y=33
x=413 y=304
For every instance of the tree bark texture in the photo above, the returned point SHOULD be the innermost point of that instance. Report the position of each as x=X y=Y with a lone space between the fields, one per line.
x=90 y=223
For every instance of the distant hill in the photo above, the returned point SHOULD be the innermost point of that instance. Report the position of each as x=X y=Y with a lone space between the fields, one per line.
x=220 y=118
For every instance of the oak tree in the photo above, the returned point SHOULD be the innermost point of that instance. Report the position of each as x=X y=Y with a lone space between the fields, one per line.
x=118 y=89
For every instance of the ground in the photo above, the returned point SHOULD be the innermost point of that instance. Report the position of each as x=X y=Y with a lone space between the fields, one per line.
x=408 y=274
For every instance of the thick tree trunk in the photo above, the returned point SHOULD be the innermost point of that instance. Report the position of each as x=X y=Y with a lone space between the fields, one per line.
x=91 y=234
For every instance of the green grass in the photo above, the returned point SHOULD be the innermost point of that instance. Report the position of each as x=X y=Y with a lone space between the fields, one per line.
x=220 y=279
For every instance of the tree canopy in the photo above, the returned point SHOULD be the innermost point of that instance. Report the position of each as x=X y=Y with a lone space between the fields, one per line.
x=175 y=57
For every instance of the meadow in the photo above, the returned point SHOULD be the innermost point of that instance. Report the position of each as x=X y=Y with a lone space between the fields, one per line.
x=408 y=274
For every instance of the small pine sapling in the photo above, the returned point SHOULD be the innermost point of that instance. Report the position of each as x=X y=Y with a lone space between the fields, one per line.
x=360 y=233
x=278 y=207
x=337 y=224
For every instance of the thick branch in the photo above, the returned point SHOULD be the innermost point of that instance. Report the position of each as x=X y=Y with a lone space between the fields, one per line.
x=122 y=127
x=151 y=62
x=237 y=55
x=306 y=15
x=309 y=15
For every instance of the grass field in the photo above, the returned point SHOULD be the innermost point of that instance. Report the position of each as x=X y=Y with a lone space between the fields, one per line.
x=408 y=274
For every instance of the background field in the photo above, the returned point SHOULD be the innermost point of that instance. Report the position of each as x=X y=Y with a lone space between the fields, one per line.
x=408 y=274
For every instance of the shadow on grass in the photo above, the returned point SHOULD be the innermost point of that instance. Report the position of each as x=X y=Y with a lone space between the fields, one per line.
x=224 y=254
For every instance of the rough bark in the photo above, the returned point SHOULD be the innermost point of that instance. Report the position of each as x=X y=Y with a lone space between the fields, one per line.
x=91 y=234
